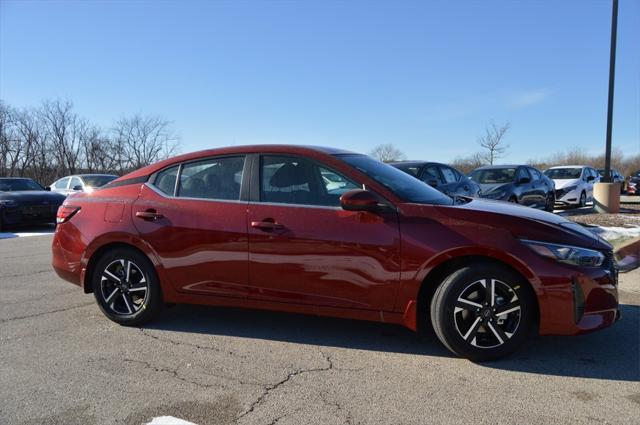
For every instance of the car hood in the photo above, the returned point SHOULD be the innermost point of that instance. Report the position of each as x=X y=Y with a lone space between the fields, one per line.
x=522 y=222
x=486 y=188
x=562 y=183
x=33 y=196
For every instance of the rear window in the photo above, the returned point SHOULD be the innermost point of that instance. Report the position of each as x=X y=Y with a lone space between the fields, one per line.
x=494 y=175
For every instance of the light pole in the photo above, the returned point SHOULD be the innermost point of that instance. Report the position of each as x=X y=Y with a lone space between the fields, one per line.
x=612 y=77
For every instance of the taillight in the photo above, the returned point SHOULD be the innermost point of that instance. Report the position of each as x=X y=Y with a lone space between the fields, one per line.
x=65 y=212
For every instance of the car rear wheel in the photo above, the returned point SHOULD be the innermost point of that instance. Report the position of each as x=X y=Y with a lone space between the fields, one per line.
x=482 y=312
x=126 y=287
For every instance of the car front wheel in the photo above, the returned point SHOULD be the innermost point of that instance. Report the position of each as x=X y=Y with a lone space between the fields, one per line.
x=482 y=312
x=126 y=287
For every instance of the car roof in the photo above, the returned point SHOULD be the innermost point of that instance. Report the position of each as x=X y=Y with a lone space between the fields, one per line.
x=416 y=163
x=496 y=167
x=569 y=166
x=231 y=150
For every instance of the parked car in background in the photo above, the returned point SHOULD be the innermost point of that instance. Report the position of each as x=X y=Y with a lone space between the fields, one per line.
x=633 y=183
x=81 y=183
x=446 y=179
x=259 y=227
x=617 y=178
x=24 y=201
x=519 y=184
x=574 y=183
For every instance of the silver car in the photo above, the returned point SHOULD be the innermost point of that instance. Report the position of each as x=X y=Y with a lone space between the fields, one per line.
x=80 y=183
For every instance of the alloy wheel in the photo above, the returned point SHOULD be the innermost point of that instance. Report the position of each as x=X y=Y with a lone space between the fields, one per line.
x=487 y=313
x=124 y=287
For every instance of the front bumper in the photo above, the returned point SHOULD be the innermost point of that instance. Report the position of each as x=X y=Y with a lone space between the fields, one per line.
x=584 y=302
x=567 y=198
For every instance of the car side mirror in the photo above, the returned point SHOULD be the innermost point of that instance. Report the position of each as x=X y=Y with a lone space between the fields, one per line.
x=524 y=180
x=48 y=188
x=590 y=178
x=77 y=187
x=359 y=200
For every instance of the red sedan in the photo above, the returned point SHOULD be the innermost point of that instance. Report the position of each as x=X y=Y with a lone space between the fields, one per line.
x=330 y=232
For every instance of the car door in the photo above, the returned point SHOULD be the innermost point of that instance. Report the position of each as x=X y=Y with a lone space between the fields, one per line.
x=539 y=188
x=450 y=180
x=304 y=248
x=194 y=218
x=526 y=194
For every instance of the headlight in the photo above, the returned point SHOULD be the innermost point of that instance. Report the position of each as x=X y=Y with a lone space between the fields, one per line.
x=495 y=195
x=569 y=189
x=566 y=253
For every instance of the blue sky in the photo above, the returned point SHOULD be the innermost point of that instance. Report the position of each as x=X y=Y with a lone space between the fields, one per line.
x=426 y=76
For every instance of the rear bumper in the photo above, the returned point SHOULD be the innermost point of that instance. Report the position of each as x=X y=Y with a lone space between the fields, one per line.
x=66 y=257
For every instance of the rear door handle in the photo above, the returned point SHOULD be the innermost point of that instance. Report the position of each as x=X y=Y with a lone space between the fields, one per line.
x=266 y=225
x=151 y=215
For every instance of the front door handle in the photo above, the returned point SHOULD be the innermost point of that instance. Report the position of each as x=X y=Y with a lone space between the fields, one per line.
x=266 y=225
x=150 y=215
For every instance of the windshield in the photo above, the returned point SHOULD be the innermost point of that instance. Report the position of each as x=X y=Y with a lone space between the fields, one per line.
x=563 y=173
x=408 y=168
x=494 y=175
x=406 y=187
x=14 y=185
x=97 y=181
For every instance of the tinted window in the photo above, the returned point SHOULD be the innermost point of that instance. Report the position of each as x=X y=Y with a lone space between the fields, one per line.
x=296 y=180
x=430 y=174
x=403 y=185
x=494 y=175
x=408 y=168
x=218 y=178
x=13 y=185
x=165 y=181
x=449 y=175
x=62 y=183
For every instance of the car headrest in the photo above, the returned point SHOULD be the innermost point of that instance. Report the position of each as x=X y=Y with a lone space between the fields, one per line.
x=290 y=174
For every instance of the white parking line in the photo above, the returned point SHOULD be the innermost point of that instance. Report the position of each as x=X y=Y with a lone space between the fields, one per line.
x=169 y=420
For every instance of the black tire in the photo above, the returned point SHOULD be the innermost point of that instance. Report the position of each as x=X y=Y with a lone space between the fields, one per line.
x=550 y=202
x=476 y=333
x=122 y=299
x=513 y=200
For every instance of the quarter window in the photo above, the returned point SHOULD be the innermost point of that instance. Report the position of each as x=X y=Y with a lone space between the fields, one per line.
x=165 y=181
x=296 y=180
x=75 y=181
x=535 y=173
x=217 y=178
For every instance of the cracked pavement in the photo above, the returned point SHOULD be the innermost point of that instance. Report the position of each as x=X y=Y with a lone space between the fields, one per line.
x=63 y=362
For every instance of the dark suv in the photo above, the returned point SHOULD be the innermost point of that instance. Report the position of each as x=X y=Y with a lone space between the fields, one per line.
x=446 y=179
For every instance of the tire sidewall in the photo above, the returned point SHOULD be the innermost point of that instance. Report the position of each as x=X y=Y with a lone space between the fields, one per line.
x=154 y=298
x=443 y=304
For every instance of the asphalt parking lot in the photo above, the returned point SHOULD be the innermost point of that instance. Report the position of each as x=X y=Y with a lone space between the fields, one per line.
x=62 y=362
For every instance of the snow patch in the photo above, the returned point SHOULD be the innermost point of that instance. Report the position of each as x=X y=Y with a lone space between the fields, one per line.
x=615 y=233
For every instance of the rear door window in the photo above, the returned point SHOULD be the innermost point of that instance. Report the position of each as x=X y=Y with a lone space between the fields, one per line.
x=216 y=178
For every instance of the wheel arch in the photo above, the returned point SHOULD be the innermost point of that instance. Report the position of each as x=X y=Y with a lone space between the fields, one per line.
x=435 y=277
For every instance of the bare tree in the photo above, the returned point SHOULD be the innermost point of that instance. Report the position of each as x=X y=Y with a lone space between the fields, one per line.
x=63 y=130
x=387 y=153
x=493 y=142
x=470 y=163
x=141 y=140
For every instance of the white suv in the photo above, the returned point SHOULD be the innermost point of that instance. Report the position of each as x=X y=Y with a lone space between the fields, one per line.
x=574 y=183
